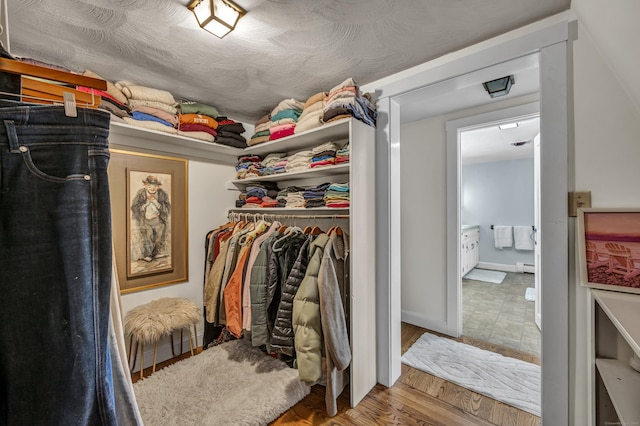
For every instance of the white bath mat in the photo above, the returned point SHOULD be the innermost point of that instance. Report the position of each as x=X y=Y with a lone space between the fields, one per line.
x=505 y=379
x=495 y=277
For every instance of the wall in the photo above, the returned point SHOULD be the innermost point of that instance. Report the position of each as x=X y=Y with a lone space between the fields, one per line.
x=498 y=193
x=607 y=151
x=208 y=204
x=423 y=215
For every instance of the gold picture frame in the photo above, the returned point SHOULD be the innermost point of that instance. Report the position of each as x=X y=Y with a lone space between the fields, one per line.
x=609 y=248
x=149 y=208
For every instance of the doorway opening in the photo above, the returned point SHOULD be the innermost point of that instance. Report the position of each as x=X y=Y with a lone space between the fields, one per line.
x=398 y=100
x=499 y=174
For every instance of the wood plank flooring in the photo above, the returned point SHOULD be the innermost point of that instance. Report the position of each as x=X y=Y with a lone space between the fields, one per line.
x=417 y=398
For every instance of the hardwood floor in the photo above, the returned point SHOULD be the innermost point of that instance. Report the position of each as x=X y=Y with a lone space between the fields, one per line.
x=417 y=398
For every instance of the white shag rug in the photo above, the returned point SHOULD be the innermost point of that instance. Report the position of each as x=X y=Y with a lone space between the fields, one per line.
x=230 y=384
x=530 y=294
x=509 y=380
x=495 y=277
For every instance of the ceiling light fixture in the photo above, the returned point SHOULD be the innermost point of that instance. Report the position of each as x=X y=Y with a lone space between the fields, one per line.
x=500 y=86
x=219 y=17
x=508 y=126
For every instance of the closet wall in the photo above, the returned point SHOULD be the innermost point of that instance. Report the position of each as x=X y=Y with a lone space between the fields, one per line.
x=424 y=217
x=208 y=204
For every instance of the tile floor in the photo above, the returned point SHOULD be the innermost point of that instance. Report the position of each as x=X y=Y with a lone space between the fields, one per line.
x=499 y=313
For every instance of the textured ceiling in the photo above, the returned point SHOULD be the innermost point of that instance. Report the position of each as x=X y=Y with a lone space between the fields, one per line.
x=280 y=49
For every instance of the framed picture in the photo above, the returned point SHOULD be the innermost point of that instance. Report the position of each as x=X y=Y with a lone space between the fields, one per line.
x=609 y=249
x=149 y=199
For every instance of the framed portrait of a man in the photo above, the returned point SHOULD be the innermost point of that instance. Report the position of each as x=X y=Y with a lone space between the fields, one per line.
x=149 y=210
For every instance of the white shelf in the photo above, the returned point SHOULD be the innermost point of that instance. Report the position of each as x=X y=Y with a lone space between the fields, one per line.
x=335 y=131
x=623 y=386
x=321 y=171
x=172 y=143
x=623 y=309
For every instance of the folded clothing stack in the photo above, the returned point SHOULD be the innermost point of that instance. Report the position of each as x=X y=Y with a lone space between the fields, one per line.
x=258 y=194
x=284 y=117
x=113 y=100
x=295 y=200
x=150 y=108
x=281 y=165
x=230 y=133
x=269 y=163
x=346 y=101
x=299 y=161
x=312 y=113
x=343 y=154
x=197 y=120
x=249 y=166
x=337 y=196
x=283 y=194
x=261 y=132
x=314 y=196
x=323 y=155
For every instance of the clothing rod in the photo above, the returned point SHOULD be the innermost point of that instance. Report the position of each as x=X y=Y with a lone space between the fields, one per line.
x=292 y=216
x=533 y=227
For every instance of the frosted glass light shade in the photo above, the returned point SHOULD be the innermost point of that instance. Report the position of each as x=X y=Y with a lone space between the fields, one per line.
x=219 y=17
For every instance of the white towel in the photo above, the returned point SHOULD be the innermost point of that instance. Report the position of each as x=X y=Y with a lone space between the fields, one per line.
x=503 y=236
x=522 y=236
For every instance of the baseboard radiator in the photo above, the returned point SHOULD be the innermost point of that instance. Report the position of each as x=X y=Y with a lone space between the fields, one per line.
x=525 y=267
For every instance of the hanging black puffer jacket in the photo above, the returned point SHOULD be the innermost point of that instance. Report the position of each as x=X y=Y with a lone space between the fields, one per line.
x=282 y=338
x=281 y=260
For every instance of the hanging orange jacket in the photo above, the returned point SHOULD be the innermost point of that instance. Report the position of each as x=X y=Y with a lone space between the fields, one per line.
x=233 y=296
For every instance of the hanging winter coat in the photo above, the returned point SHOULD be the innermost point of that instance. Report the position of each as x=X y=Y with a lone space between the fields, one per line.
x=282 y=336
x=331 y=287
x=258 y=288
x=283 y=256
x=306 y=318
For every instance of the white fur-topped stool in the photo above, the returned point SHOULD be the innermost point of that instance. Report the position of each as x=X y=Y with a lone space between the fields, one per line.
x=149 y=322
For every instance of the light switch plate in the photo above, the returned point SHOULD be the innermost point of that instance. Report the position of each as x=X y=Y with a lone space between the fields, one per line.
x=578 y=200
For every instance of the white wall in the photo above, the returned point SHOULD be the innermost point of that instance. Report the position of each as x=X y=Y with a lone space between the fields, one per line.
x=498 y=193
x=607 y=163
x=424 y=222
x=615 y=30
x=208 y=205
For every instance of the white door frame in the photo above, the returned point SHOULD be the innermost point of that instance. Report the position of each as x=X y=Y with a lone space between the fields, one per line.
x=454 y=183
x=551 y=42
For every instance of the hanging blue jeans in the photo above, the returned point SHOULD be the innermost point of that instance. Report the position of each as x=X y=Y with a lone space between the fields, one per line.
x=55 y=267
